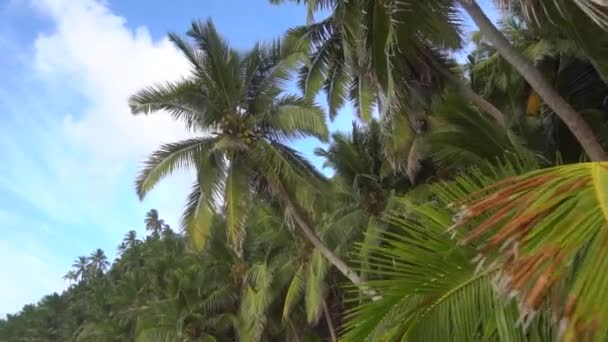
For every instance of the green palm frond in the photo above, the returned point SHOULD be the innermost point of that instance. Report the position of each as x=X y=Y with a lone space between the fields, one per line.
x=315 y=286
x=548 y=11
x=283 y=166
x=297 y=117
x=169 y=158
x=312 y=74
x=397 y=138
x=294 y=291
x=381 y=37
x=256 y=298
x=221 y=64
x=236 y=198
x=336 y=87
x=197 y=217
x=431 y=291
x=185 y=101
x=549 y=238
x=194 y=56
x=466 y=137
x=363 y=93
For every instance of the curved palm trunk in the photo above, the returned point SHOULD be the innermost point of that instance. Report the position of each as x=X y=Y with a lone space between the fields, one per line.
x=293 y=210
x=471 y=95
x=331 y=256
x=330 y=324
x=575 y=122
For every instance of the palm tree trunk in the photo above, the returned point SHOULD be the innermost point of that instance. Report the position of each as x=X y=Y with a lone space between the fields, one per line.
x=330 y=324
x=471 y=95
x=293 y=211
x=575 y=122
x=331 y=256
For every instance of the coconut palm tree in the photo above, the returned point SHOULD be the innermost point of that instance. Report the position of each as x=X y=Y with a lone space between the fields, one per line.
x=98 y=261
x=70 y=276
x=561 y=61
x=401 y=58
x=81 y=266
x=153 y=223
x=575 y=122
x=363 y=181
x=385 y=22
x=130 y=240
x=235 y=101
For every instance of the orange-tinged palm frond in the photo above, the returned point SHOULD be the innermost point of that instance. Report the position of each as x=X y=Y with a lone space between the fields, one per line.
x=548 y=232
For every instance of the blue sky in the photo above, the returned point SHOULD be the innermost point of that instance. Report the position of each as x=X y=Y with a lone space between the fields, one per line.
x=70 y=148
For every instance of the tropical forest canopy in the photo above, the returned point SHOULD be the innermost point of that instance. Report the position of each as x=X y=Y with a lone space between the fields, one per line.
x=468 y=202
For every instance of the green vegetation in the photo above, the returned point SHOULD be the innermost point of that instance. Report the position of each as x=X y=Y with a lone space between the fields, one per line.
x=461 y=207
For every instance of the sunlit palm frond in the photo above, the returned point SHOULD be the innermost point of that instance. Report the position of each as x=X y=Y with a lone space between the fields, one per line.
x=236 y=198
x=185 y=101
x=169 y=158
x=430 y=289
x=294 y=291
x=221 y=64
x=548 y=10
x=547 y=232
x=296 y=117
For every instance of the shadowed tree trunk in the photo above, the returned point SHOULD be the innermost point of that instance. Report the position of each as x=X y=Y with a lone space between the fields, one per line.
x=471 y=95
x=330 y=324
x=575 y=122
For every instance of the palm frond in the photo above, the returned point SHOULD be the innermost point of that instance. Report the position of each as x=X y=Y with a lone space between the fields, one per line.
x=236 y=198
x=550 y=221
x=294 y=291
x=538 y=11
x=297 y=117
x=184 y=100
x=221 y=64
x=169 y=158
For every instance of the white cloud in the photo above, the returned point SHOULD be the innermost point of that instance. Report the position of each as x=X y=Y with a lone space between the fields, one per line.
x=93 y=52
x=107 y=62
x=74 y=167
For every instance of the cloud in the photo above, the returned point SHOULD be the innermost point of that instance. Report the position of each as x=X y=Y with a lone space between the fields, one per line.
x=72 y=147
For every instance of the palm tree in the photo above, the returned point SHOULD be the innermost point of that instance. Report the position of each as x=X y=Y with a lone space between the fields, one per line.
x=575 y=122
x=236 y=100
x=99 y=261
x=568 y=68
x=404 y=58
x=130 y=240
x=385 y=22
x=364 y=183
x=153 y=223
x=81 y=266
x=70 y=276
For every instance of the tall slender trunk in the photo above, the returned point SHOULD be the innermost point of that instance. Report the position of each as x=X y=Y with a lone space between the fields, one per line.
x=330 y=255
x=293 y=210
x=471 y=95
x=330 y=324
x=575 y=122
